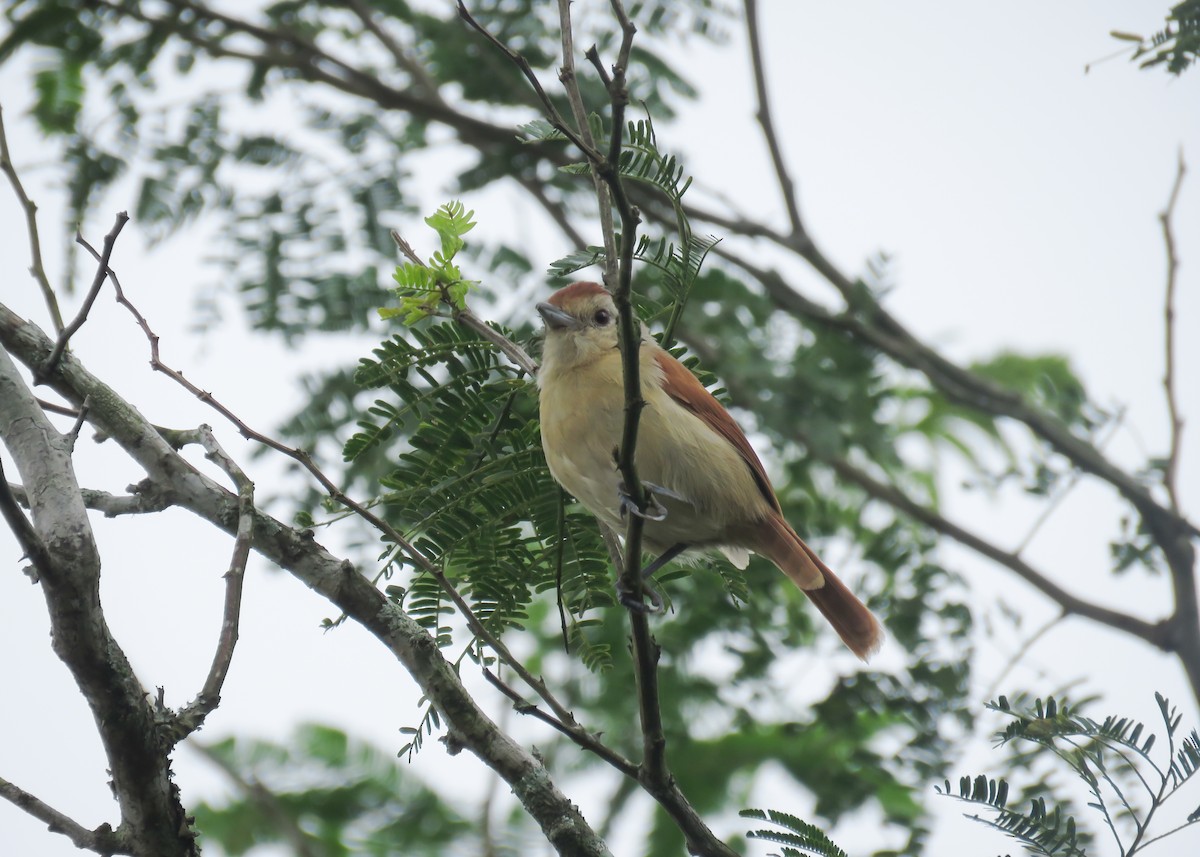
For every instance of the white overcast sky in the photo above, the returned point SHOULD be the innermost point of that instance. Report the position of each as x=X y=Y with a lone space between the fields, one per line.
x=1018 y=197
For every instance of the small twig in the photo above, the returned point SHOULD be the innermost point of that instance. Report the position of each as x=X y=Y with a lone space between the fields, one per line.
x=593 y=56
x=73 y=435
x=58 y=409
x=102 y=271
x=574 y=731
x=567 y=76
x=1171 y=471
x=786 y=186
x=551 y=111
x=406 y=249
x=102 y=840
x=36 y=267
x=192 y=717
x=1075 y=477
x=1021 y=652
x=143 y=501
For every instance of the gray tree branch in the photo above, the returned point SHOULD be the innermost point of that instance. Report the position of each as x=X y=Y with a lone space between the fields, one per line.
x=337 y=580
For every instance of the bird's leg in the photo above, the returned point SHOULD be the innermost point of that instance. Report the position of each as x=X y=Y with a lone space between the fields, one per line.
x=664 y=558
x=631 y=601
x=655 y=511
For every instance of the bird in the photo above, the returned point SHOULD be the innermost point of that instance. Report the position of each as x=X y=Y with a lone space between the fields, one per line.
x=709 y=487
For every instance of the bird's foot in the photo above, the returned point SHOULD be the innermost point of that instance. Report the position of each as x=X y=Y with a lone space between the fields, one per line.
x=654 y=510
x=631 y=600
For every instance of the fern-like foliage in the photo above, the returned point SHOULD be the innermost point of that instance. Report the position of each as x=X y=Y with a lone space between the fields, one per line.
x=1176 y=46
x=470 y=488
x=798 y=837
x=1113 y=759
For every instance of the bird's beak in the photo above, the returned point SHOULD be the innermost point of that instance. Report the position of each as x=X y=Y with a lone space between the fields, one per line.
x=555 y=318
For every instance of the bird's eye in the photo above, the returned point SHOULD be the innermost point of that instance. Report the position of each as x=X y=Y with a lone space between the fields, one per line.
x=602 y=317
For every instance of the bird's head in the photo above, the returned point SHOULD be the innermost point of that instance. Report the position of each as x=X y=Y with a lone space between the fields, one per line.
x=581 y=325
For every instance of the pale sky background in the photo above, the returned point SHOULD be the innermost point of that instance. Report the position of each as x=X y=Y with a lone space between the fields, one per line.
x=1018 y=196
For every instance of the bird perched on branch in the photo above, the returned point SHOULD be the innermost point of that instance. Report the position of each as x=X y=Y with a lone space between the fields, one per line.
x=709 y=487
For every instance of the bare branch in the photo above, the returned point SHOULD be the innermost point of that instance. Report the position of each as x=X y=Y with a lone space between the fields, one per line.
x=192 y=717
x=1171 y=471
x=1154 y=634
x=36 y=268
x=786 y=186
x=69 y=580
x=102 y=840
x=102 y=270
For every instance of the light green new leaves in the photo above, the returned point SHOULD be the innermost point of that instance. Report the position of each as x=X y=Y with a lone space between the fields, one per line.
x=423 y=287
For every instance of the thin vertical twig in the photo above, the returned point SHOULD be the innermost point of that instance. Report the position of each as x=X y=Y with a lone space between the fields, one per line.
x=1171 y=471
x=786 y=186
x=36 y=267
x=566 y=75
x=193 y=716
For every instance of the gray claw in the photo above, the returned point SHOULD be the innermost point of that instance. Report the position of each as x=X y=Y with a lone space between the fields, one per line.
x=631 y=602
x=654 y=511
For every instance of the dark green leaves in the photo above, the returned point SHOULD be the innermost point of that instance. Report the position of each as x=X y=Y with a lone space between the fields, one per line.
x=1113 y=758
x=800 y=836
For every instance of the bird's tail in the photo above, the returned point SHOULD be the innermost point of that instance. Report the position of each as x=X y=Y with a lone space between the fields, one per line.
x=855 y=624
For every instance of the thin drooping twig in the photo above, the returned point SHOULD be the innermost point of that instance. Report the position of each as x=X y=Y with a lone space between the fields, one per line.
x=102 y=269
x=102 y=840
x=193 y=715
x=1171 y=471
x=786 y=186
x=1021 y=652
x=573 y=731
x=36 y=267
